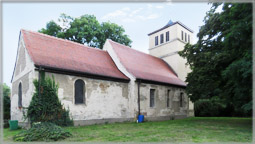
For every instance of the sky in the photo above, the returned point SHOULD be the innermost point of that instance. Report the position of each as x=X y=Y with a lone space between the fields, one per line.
x=138 y=19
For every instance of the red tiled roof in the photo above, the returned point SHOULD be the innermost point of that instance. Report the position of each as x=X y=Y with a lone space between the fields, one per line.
x=144 y=66
x=58 y=53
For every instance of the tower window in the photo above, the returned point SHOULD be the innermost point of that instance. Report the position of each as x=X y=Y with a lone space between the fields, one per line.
x=167 y=36
x=20 y=95
x=79 y=92
x=188 y=38
x=156 y=40
x=152 y=97
x=185 y=37
x=161 y=38
x=182 y=35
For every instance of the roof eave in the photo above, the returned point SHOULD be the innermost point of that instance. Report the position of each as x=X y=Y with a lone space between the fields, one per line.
x=82 y=74
x=169 y=26
x=159 y=83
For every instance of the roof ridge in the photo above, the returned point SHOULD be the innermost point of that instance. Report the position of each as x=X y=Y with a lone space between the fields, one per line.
x=61 y=39
x=135 y=49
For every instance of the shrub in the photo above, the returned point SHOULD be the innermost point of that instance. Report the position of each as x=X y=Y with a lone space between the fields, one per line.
x=47 y=107
x=6 y=103
x=209 y=107
x=6 y=94
x=42 y=132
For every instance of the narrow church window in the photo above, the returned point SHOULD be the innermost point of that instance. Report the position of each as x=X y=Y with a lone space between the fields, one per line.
x=181 y=100
x=152 y=97
x=79 y=92
x=156 y=40
x=185 y=37
x=168 y=98
x=167 y=36
x=182 y=35
x=188 y=38
x=161 y=38
x=20 y=95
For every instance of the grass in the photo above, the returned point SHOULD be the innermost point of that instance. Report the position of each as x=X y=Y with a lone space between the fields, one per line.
x=195 y=129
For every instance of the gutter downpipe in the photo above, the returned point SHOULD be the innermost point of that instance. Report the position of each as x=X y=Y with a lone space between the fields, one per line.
x=139 y=82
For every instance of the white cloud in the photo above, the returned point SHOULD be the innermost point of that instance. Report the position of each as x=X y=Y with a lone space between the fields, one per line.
x=169 y=3
x=153 y=16
x=140 y=17
x=129 y=15
x=114 y=14
x=126 y=9
x=135 y=12
x=159 y=7
x=147 y=17
x=128 y=20
x=149 y=6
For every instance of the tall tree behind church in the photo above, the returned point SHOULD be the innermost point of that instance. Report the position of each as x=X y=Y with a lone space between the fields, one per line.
x=221 y=60
x=86 y=30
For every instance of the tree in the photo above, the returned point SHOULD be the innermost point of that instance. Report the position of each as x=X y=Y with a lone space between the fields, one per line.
x=114 y=32
x=6 y=94
x=52 y=29
x=47 y=107
x=221 y=60
x=86 y=30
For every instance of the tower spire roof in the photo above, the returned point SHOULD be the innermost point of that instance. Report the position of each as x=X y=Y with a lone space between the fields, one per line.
x=170 y=22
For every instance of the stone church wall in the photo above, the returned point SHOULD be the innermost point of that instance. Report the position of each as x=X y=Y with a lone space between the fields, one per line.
x=160 y=111
x=105 y=101
x=23 y=74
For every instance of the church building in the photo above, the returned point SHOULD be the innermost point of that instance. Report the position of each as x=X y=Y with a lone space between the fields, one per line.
x=115 y=84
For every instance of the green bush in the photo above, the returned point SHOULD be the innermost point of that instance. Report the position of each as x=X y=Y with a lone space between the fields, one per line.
x=47 y=107
x=6 y=94
x=209 y=107
x=42 y=132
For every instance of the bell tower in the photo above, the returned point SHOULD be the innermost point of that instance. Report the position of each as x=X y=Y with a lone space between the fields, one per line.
x=166 y=42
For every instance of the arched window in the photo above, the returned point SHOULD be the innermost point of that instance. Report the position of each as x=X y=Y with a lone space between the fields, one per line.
x=181 y=99
x=20 y=95
x=79 y=92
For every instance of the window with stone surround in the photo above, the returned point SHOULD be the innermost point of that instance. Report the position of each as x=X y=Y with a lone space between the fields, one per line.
x=152 y=97
x=79 y=97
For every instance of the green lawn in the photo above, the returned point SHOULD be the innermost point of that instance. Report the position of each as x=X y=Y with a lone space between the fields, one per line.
x=194 y=129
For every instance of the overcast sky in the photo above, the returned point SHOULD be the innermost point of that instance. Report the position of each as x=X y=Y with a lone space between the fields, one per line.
x=138 y=19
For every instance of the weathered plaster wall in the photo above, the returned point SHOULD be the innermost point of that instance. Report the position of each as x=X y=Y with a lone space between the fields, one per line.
x=24 y=74
x=131 y=86
x=179 y=65
x=103 y=99
x=160 y=109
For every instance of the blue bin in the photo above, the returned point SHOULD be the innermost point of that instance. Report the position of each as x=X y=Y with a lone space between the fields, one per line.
x=140 y=118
